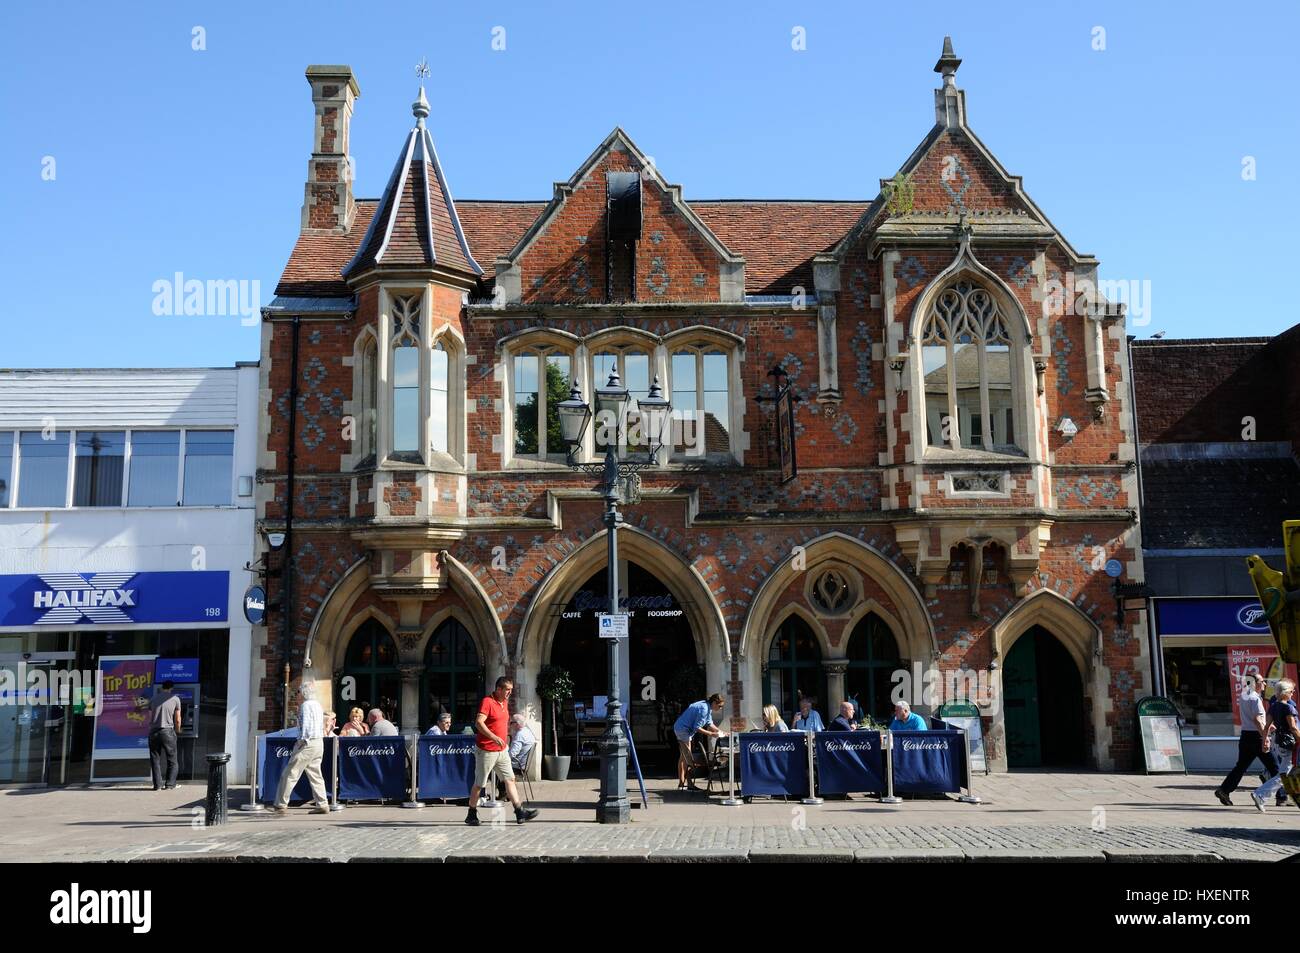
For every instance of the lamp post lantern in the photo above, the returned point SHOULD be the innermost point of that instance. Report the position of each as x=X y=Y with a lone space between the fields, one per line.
x=611 y=410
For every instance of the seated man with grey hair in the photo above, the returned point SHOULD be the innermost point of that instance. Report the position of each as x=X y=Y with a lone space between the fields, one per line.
x=522 y=743
x=905 y=719
x=379 y=725
x=443 y=727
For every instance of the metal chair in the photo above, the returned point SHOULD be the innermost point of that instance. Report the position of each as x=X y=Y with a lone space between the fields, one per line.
x=523 y=775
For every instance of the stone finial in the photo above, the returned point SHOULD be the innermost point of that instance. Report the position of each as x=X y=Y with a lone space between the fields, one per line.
x=420 y=108
x=948 y=63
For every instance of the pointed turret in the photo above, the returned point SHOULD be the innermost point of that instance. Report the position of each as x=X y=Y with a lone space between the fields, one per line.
x=415 y=223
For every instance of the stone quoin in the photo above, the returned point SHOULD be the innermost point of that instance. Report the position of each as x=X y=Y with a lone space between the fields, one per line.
x=963 y=436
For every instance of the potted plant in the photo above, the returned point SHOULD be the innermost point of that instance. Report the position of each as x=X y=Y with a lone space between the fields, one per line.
x=555 y=684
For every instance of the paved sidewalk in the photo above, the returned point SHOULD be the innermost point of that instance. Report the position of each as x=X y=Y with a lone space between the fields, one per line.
x=1083 y=817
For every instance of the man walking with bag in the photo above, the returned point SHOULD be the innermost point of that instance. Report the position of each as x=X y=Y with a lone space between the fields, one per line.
x=306 y=755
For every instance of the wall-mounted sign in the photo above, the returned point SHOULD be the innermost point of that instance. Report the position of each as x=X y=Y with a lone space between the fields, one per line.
x=1211 y=617
x=662 y=605
x=612 y=626
x=70 y=599
x=176 y=670
x=255 y=605
x=1114 y=568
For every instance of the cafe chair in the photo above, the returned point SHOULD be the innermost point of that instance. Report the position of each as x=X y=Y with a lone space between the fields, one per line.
x=526 y=772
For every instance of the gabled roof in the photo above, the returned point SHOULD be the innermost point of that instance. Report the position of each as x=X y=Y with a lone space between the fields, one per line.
x=778 y=239
x=415 y=223
x=950 y=118
x=618 y=139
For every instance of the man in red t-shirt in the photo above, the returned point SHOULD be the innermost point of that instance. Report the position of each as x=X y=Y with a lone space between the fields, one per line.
x=492 y=756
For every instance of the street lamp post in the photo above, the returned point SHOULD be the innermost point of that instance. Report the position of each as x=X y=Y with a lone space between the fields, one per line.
x=653 y=411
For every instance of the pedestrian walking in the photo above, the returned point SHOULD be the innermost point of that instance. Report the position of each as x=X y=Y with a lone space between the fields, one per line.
x=164 y=726
x=1254 y=742
x=492 y=756
x=1282 y=728
x=306 y=755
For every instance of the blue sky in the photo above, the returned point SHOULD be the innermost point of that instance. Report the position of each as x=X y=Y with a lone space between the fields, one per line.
x=169 y=159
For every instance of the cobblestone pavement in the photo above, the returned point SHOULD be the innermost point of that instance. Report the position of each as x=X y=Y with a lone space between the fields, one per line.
x=1079 y=817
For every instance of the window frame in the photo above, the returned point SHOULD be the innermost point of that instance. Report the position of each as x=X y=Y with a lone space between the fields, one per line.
x=939 y=327
x=699 y=349
x=69 y=496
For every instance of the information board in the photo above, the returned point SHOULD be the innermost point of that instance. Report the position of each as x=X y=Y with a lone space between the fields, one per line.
x=1162 y=738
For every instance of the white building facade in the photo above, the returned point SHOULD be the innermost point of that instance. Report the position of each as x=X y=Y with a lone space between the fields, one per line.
x=126 y=525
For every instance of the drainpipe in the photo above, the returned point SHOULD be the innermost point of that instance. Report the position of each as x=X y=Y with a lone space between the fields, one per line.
x=289 y=563
x=1157 y=660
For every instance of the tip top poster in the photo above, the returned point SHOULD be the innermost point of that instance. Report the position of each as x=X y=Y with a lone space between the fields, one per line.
x=122 y=728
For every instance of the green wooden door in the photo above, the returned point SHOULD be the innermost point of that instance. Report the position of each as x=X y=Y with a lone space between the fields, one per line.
x=1020 y=700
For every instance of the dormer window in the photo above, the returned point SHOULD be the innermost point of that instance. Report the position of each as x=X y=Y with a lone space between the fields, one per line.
x=968 y=371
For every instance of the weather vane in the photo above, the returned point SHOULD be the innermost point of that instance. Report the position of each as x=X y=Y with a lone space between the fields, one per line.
x=422 y=68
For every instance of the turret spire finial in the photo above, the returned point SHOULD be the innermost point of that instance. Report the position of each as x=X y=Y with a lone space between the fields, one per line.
x=948 y=63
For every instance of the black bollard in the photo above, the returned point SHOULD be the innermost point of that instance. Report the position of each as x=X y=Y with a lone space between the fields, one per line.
x=215 y=807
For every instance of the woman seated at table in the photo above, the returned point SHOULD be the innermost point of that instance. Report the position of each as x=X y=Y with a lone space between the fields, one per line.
x=356 y=724
x=772 y=719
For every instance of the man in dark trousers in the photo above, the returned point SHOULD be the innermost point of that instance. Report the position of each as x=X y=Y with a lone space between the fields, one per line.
x=164 y=726
x=1253 y=743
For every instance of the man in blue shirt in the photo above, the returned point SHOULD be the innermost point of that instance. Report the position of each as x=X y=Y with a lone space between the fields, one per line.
x=808 y=719
x=905 y=719
x=696 y=717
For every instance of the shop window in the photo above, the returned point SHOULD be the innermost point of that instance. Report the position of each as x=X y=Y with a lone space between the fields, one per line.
x=1199 y=682
x=453 y=677
x=873 y=659
x=701 y=402
x=43 y=468
x=541 y=378
x=155 y=468
x=100 y=465
x=6 y=468
x=209 y=465
x=967 y=371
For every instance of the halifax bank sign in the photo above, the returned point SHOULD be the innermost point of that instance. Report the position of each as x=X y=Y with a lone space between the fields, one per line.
x=72 y=599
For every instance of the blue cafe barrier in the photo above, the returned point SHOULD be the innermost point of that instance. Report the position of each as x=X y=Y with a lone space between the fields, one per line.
x=273 y=752
x=372 y=769
x=774 y=762
x=849 y=762
x=929 y=762
x=444 y=766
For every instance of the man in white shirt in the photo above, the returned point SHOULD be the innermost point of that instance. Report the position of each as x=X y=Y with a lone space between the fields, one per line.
x=1254 y=742
x=443 y=727
x=522 y=743
x=306 y=755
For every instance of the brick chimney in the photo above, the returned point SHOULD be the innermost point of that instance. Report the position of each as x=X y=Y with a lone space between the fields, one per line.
x=328 y=204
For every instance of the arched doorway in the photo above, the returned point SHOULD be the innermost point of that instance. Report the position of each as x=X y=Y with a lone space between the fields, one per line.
x=873 y=659
x=665 y=671
x=794 y=670
x=452 y=680
x=371 y=666
x=1042 y=695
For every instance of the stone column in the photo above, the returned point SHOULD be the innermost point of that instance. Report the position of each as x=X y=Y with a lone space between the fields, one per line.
x=410 y=673
x=835 y=669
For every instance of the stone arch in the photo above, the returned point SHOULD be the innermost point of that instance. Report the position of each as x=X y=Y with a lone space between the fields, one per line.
x=537 y=630
x=1048 y=608
x=911 y=623
x=1081 y=637
x=915 y=630
x=337 y=618
x=866 y=607
x=966 y=265
x=807 y=616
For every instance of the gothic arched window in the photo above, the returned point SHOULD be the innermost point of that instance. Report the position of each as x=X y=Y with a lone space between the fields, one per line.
x=968 y=371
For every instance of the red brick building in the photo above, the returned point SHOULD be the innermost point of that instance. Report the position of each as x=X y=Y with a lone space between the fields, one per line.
x=963 y=433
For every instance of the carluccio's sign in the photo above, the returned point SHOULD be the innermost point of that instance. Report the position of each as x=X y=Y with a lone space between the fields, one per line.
x=586 y=603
